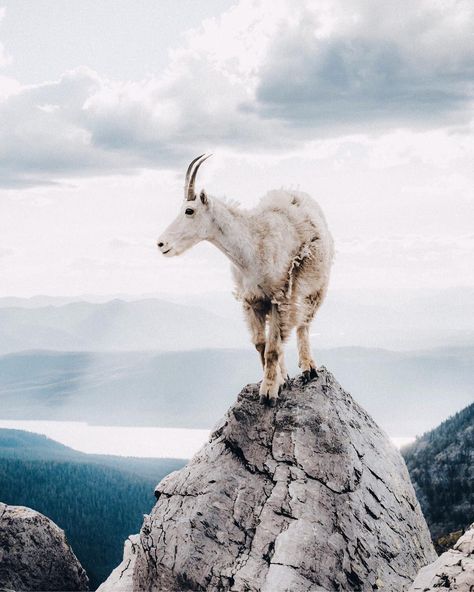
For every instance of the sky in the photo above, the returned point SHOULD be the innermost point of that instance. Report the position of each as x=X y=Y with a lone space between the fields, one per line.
x=367 y=106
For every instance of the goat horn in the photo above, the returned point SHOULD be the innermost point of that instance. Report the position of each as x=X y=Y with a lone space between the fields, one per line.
x=188 y=172
x=189 y=191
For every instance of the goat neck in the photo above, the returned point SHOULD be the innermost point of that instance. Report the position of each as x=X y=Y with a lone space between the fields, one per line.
x=232 y=234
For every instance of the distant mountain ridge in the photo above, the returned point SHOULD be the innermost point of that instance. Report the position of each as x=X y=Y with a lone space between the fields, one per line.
x=23 y=445
x=214 y=321
x=97 y=500
x=404 y=391
x=441 y=466
x=116 y=325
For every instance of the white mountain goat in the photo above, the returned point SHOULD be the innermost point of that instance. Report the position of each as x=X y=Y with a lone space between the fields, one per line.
x=281 y=253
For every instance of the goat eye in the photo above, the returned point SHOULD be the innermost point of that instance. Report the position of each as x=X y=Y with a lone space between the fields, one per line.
x=189 y=211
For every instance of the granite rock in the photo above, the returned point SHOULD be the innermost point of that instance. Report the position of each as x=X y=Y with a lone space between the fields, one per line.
x=453 y=570
x=35 y=555
x=121 y=579
x=308 y=495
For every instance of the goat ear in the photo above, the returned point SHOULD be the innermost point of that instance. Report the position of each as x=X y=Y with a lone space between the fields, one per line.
x=203 y=197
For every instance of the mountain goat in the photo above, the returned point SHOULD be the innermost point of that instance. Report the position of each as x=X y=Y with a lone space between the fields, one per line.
x=281 y=253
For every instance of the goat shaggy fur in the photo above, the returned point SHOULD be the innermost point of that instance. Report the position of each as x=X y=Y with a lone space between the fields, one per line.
x=281 y=253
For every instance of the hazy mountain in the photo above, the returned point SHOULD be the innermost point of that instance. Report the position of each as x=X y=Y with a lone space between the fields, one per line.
x=43 y=300
x=441 y=466
x=215 y=320
x=97 y=500
x=407 y=393
x=21 y=445
x=403 y=319
x=115 y=326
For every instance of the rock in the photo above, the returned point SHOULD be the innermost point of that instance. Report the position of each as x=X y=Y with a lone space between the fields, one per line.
x=121 y=579
x=453 y=570
x=35 y=555
x=309 y=495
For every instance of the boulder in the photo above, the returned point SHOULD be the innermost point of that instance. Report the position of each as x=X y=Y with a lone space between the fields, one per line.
x=35 y=555
x=121 y=579
x=308 y=495
x=453 y=570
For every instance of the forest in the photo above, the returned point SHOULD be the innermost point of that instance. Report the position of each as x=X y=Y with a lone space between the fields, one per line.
x=97 y=500
x=441 y=466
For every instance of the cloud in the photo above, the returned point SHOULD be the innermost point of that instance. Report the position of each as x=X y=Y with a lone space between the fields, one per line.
x=4 y=58
x=83 y=125
x=251 y=80
x=5 y=252
x=405 y=261
x=337 y=68
x=409 y=246
x=45 y=134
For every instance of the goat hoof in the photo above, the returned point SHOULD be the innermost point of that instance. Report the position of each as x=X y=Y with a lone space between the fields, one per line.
x=309 y=375
x=267 y=400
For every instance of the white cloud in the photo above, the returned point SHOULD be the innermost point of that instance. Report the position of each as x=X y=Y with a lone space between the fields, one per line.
x=336 y=67
x=8 y=86
x=5 y=59
x=252 y=79
x=398 y=194
x=404 y=262
x=5 y=252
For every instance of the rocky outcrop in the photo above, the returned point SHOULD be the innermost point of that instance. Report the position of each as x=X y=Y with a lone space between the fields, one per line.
x=453 y=570
x=121 y=579
x=309 y=495
x=35 y=555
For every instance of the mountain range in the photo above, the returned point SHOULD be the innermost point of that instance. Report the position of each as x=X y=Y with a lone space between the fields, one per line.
x=444 y=318
x=407 y=393
x=441 y=466
x=117 y=325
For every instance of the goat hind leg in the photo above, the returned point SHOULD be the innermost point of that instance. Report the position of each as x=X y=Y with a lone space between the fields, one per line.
x=306 y=362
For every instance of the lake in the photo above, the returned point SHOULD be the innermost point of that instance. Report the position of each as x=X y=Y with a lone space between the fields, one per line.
x=122 y=441
x=125 y=441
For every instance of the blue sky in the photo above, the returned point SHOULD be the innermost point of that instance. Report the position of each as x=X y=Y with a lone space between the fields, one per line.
x=367 y=106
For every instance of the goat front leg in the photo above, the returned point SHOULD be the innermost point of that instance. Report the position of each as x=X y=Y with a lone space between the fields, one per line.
x=272 y=376
x=306 y=362
x=255 y=314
